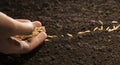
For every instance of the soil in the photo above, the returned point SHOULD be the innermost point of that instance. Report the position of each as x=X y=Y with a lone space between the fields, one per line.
x=68 y=16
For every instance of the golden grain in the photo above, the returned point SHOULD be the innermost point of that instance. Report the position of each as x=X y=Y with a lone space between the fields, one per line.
x=36 y=31
x=87 y=31
x=47 y=40
x=79 y=33
x=96 y=28
x=51 y=36
x=101 y=22
x=70 y=35
x=107 y=28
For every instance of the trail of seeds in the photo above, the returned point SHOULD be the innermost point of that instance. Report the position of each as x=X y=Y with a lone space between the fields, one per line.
x=100 y=28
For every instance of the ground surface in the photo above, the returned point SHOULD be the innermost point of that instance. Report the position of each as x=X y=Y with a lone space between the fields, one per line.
x=68 y=16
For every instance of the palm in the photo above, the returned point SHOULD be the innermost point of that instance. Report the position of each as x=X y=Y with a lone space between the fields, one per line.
x=17 y=45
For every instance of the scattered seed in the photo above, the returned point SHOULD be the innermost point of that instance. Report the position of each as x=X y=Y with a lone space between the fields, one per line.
x=117 y=26
x=70 y=35
x=87 y=31
x=101 y=22
x=114 y=21
x=114 y=27
x=101 y=28
x=51 y=36
x=107 y=28
x=95 y=28
x=47 y=40
x=93 y=21
x=79 y=33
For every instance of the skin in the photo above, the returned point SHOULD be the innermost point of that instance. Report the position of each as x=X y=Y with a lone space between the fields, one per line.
x=10 y=27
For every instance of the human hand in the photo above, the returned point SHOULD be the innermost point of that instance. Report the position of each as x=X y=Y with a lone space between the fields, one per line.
x=17 y=45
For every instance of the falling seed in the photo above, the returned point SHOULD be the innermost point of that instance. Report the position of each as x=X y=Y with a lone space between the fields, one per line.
x=95 y=28
x=114 y=21
x=51 y=36
x=101 y=22
x=47 y=40
x=70 y=35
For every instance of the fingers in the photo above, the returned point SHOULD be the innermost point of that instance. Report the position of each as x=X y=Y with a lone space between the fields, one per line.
x=25 y=47
x=39 y=38
x=36 y=41
x=24 y=26
x=23 y=20
x=29 y=46
x=37 y=23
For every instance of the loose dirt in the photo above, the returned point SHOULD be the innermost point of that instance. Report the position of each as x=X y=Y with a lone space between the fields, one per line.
x=63 y=20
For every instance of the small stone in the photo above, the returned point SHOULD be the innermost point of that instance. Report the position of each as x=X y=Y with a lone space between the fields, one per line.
x=93 y=21
x=62 y=35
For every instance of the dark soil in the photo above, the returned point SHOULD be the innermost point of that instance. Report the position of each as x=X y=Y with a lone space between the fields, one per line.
x=68 y=16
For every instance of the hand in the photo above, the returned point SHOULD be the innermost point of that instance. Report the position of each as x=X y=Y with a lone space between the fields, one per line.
x=17 y=46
